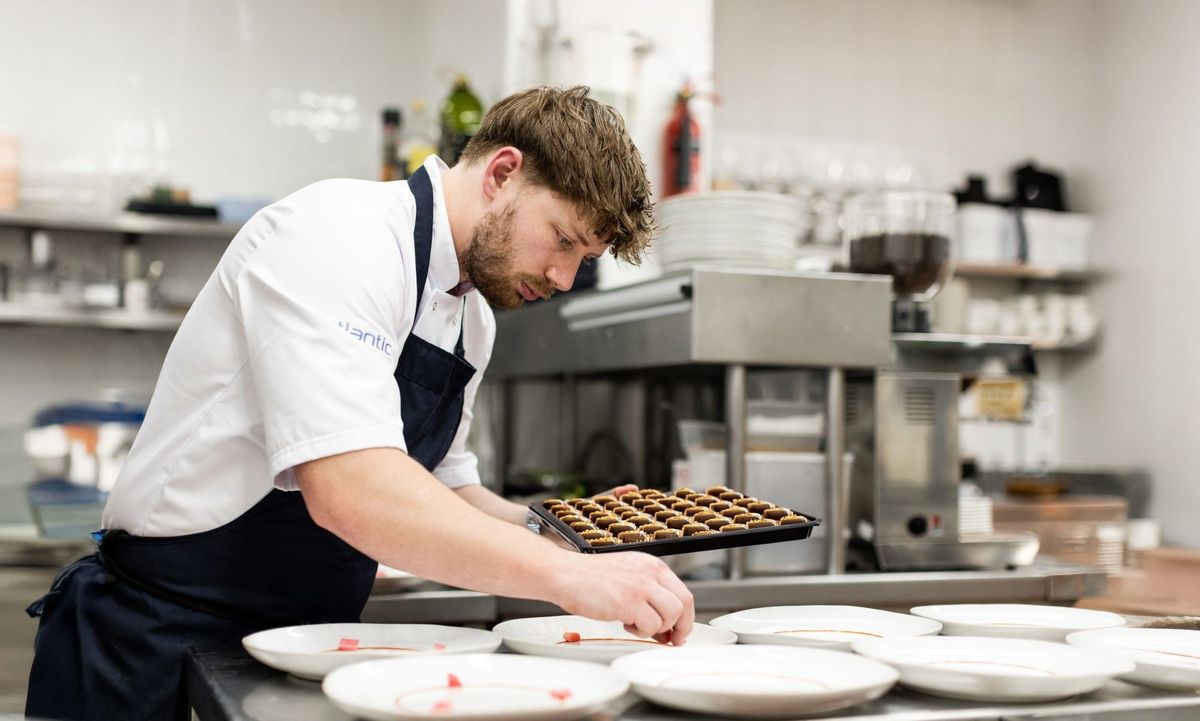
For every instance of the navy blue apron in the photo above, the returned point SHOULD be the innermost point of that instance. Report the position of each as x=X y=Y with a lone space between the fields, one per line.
x=115 y=625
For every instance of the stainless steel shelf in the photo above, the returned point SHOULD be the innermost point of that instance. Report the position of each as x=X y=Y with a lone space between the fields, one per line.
x=703 y=316
x=124 y=223
x=116 y=319
x=956 y=342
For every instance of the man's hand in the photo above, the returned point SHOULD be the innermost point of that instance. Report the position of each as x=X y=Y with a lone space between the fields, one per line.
x=386 y=505
x=636 y=589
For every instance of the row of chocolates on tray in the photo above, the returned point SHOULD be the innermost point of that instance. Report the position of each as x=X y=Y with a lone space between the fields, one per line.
x=650 y=515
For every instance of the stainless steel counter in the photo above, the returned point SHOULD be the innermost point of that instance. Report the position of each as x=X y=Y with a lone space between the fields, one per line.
x=231 y=686
x=1042 y=582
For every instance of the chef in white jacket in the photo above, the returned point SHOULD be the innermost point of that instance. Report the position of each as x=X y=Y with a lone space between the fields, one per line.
x=311 y=416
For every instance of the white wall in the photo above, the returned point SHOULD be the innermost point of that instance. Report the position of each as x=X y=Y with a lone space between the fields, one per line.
x=254 y=97
x=591 y=43
x=1135 y=401
x=959 y=85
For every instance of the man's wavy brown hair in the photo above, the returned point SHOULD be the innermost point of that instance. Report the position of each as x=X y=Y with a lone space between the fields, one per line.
x=579 y=149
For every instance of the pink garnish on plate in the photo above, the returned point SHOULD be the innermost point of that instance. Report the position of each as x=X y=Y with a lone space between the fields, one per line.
x=571 y=637
x=453 y=681
x=443 y=707
x=439 y=647
x=348 y=644
x=560 y=694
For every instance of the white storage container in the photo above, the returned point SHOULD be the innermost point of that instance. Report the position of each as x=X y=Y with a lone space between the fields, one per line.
x=986 y=235
x=1057 y=240
x=795 y=480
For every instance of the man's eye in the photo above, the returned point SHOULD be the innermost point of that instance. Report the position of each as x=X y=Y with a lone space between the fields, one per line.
x=564 y=242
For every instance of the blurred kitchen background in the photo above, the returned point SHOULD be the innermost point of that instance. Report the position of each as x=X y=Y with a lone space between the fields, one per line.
x=1083 y=112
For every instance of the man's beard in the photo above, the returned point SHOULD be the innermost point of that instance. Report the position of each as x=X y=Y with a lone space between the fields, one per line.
x=488 y=262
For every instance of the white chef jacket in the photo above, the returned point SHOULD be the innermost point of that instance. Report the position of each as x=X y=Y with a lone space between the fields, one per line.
x=288 y=352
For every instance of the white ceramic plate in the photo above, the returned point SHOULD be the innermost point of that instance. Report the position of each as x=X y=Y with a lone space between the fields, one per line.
x=1009 y=670
x=494 y=687
x=1016 y=620
x=600 y=641
x=832 y=627
x=313 y=651
x=1166 y=657
x=755 y=680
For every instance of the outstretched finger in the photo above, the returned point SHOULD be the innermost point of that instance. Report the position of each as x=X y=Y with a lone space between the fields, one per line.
x=668 y=606
x=686 y=620
x=645 y=621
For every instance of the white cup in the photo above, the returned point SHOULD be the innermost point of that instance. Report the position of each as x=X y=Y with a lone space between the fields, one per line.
x=137 y=296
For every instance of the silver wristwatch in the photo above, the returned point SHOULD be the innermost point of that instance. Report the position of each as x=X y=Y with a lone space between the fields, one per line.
x=532 y=522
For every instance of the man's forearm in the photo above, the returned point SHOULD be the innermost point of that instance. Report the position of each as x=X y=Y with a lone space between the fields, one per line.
x=492 y=504
x=387 y=506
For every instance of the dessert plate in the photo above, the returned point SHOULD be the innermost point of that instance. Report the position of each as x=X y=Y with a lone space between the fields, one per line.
x=600 y=641
x=473 y=687
x=832 y=627
x=1165 y=657
x=1007 y=670
x=1016 y=620
x=312 y=651
x=778 y=681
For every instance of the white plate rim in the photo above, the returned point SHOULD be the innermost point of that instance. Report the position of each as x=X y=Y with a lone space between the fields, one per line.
x=313 y=665
x=929 y=611
x=861 y=690
x=1114 y=664
x=728 y=622
x=1140 y=655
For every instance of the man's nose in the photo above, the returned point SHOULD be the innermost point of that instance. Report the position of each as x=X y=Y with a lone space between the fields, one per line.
x=562 y=277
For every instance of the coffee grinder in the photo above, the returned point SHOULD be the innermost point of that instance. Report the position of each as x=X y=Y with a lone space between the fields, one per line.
x=904 y=234
x=902 y=420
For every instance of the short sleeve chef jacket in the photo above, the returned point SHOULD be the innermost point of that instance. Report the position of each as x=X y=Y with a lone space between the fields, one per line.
x=287 y=356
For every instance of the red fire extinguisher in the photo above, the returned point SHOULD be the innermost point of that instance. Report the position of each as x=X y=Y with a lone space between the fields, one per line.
x=681 y=148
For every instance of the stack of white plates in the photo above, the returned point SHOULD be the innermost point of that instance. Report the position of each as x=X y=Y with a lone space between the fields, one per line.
x=730 y=228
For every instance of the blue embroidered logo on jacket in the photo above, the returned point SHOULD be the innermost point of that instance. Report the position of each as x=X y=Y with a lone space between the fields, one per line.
x=375 y=340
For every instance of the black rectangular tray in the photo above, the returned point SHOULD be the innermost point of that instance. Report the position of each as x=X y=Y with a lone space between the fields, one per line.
x=673 y=546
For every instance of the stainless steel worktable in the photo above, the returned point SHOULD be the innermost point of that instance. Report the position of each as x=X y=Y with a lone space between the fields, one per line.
x=1042 y=582
x=231 y=686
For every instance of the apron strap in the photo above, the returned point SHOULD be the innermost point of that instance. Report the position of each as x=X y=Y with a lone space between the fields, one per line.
x=422 y=190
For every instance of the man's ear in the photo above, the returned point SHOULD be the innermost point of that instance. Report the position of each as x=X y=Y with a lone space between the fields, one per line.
x=504 y=165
